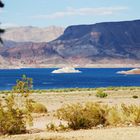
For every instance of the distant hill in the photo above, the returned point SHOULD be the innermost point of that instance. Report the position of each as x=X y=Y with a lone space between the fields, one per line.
x=32 y=34
x=108 y=44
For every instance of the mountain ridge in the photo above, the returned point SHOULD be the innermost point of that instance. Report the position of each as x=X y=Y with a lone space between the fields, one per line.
x=100 y=44
x=32 y=34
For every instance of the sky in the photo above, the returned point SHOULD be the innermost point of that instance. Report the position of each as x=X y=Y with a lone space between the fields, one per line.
x=43 y=13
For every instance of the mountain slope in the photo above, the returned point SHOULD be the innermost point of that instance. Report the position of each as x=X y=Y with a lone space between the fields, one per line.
x=83 y=45
x=113 y=39
x=32 y=34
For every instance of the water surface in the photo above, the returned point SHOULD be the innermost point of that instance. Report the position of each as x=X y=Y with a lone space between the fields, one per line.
x=89 y=78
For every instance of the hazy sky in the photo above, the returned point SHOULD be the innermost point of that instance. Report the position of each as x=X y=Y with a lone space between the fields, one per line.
x=67 y=12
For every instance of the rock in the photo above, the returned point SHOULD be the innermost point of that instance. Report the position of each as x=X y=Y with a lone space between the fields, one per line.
x=132 y=71
x=108 y=43
x=100 y=126
x=66 y=70
x=32 y=34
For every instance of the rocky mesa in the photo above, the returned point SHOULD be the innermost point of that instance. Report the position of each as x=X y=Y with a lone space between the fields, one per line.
x=108 y=44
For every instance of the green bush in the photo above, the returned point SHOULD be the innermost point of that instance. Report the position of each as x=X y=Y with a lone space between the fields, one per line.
x=101 y=94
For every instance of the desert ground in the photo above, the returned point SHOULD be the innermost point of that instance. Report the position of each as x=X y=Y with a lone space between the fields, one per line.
x=54 y=100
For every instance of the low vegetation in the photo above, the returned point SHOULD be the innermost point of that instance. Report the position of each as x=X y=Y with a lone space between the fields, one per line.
x=12 y=119
x=100 y=93
x=54 y=127
x=76 y=89
x=38 y=107
x=91 y=115
x=83 y=116
x=15 y=108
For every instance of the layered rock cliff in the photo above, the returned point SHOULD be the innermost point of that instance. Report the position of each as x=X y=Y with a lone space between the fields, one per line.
x=83 y=45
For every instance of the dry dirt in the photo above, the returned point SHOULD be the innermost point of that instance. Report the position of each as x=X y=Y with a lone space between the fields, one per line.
x=53 y=101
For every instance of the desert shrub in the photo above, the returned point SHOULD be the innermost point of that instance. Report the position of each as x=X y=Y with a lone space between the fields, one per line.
x=91 y=115
x=15 y=110
x=83 y=116
x=135 y=96
x=131 y=114
x=101 y=94
x=114 y=116
x=74 y=115
x=123 y=115
x=11 y=118
x=38 y=107
x=23 y=86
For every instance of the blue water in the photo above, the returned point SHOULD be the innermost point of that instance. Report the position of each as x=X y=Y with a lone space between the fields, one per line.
x=89 y=78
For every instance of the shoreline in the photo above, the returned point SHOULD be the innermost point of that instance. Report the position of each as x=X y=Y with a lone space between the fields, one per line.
x=75 y=66
x=79 y=89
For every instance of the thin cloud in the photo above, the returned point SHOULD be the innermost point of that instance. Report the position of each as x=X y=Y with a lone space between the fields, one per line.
x=6 y=25
x=82 y=12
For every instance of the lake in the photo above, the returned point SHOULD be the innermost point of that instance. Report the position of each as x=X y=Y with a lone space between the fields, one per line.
x=89 y=78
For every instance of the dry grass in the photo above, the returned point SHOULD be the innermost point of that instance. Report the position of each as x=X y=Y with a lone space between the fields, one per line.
x=38 y=108
x=91 y=115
